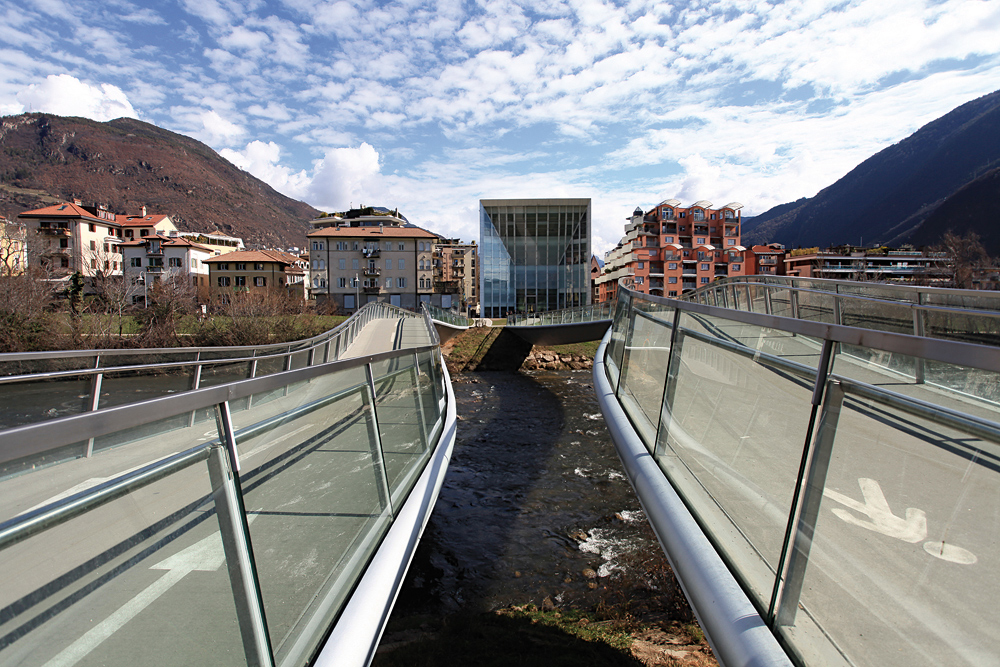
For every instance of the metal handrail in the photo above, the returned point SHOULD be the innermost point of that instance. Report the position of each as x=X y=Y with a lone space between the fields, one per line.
x=637 y=441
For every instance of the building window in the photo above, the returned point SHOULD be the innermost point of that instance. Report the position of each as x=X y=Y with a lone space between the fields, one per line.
x=241 y=281
x=704 y=279
x=223 y=266
x=672 y=265
x=354 y=264
x=342 y=264
x=240 y=266
x=260 y=281
x=700 y=240
x=402 y=264
x=388 y=265
x=673 y=292
x=705 y=267
x=341 y=282
x=223 y=281
x=259 y=266
x=736 y=267
x=91 y=227
x=137 y=262
x=639 y=280
x=143 y=232
x=402 y=246
x=93 y=245
x=672 y=280
x=174 y=262
x=698 y=214
x=401 y=282
x=388 y=245
x=730 y=241
x=63 y=243
x=641 y=265
x=316 y=246
x=194 y=263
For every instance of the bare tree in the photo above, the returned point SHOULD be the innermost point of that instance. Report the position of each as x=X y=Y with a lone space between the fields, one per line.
x=966 y=257
x=167 y=300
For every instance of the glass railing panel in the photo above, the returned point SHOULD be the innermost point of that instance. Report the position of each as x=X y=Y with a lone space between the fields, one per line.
x=970 y=328
x=121 y=388
x=616 y=344
x=402 y=429
x=270 y=366
x=299 y=360
x=644 y=369
x=733 y=444
x=891 y=316
x=816 y=306
x=139 y=580
x=313 y=487
x=146 y=358
x=222 y=373
x=428 y=389
x=33 y=401
x=899 y=569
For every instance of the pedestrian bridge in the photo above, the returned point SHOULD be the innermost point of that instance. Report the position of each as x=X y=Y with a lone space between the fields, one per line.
x=820 y=461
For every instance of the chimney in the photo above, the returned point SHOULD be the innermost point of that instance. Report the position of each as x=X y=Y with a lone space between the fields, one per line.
x=143 y=211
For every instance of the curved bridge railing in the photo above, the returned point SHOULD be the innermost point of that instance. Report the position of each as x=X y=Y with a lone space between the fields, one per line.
x=228 y=524
x=592 y=313
x=36 y=386
x=820 y=502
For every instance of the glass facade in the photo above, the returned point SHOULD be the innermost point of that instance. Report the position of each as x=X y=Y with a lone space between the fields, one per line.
x=535 y=255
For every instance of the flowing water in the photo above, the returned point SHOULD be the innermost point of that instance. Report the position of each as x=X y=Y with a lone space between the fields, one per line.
x=535 y=508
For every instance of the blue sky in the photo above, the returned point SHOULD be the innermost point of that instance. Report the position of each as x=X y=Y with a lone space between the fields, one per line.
x=431 y=105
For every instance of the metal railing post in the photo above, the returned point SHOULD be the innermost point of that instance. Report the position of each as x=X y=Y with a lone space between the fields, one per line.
x=375 y=442
x=793 y=299
x=235 y=534
x=811 y=465
x=788 y=585
x=669 y=385
x=96 y=382
x=919 y=329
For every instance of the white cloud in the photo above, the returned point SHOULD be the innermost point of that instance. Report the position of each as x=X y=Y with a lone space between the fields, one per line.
x=66 y=95
x=347 y=176
x=262 y=160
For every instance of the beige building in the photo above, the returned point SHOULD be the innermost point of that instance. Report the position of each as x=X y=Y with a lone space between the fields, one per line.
x=72 y=237
x=366 y=255
x=247 y=270
x=13 y=248
x=150 y=259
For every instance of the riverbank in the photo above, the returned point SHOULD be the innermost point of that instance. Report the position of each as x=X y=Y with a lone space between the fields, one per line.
x=466 y=349
x=538 y=552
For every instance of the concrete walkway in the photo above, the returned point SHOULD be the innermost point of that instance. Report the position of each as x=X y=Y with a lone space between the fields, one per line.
x=384 y=335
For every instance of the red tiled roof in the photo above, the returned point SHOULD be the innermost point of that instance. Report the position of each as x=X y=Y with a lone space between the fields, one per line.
x=374 y=232
x=167 y=241
x=140 y=220
x=62 y=211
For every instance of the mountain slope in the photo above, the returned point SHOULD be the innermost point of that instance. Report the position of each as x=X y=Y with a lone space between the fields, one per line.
x=127 y=164
x=887 y=197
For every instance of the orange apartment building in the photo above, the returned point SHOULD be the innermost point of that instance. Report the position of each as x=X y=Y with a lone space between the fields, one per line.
x=673 y=249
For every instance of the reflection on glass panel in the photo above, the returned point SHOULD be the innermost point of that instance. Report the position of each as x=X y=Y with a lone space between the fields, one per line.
x=401 y=422
x=644 y=371
x=130 y=387
x=270 y=365
x=738 y=427
x=35 y=401
x=905 y=533
x=216 y=374
x=141 y=580
x=313 y=485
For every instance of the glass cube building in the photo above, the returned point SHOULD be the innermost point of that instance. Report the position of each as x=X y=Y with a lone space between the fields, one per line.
x=534 y=255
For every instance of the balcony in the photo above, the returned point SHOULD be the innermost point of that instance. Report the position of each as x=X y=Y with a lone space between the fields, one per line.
x=370 y=252
x=371 y=289
x=372 y=271
x=54 y=231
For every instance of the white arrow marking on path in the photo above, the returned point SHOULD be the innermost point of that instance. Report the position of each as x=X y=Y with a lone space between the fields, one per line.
x=205 y=555
x=911 y=529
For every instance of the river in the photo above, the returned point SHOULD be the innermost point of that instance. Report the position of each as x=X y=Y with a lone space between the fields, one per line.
x=535 y=509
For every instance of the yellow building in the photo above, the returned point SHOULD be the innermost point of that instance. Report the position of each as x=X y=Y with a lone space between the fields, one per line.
x=13 y=248
x=248 y=270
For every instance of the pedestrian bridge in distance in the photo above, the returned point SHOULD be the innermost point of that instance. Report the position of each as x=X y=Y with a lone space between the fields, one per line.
x=821 y=463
